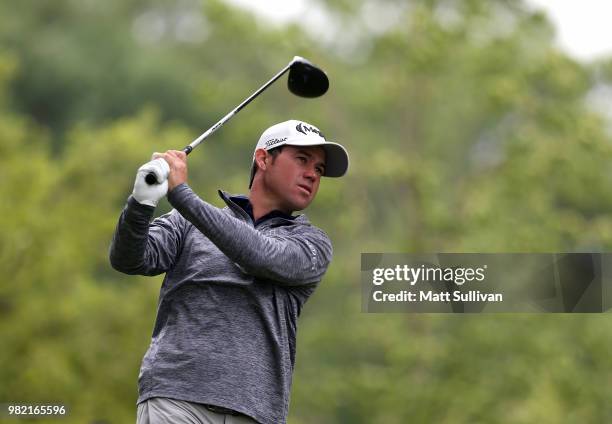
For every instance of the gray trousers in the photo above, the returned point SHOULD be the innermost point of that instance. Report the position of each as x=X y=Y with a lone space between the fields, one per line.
x=171 y=411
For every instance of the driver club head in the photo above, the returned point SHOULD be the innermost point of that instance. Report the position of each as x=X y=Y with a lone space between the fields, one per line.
x=306 y=80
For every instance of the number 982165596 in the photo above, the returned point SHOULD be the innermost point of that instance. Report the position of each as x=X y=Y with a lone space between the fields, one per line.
x=29 y=409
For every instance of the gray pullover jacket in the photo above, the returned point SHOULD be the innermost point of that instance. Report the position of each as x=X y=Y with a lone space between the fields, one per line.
x=225 y=332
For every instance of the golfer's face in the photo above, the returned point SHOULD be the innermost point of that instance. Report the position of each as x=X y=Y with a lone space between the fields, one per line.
x=295 y=175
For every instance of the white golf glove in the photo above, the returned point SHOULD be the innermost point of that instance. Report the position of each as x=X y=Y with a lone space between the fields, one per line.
x=147 y=194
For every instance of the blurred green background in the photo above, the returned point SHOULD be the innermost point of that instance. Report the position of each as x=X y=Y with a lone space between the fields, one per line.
x=469 y=131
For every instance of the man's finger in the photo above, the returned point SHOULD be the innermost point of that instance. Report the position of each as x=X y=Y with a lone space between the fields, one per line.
x=177 y=154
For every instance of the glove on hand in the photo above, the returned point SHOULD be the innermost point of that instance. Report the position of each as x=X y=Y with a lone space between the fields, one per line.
x=147 y=194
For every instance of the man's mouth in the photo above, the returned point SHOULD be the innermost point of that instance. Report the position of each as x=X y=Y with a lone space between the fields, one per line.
x=307 y=189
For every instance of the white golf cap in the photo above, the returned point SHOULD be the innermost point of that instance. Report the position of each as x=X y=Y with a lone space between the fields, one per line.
x=299 y=133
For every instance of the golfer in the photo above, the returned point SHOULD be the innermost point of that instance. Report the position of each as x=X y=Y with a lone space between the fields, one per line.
x=224 y=341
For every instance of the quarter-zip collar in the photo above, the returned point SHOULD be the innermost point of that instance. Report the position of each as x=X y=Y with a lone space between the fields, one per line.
x=241 y=205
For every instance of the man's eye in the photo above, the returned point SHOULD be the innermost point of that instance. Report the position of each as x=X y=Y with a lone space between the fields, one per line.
x=320 y=171
x=302 y=159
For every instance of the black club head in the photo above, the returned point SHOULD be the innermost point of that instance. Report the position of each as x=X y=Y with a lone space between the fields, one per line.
x=306 y=80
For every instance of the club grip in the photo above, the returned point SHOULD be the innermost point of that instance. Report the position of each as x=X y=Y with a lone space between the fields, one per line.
x=151 y=178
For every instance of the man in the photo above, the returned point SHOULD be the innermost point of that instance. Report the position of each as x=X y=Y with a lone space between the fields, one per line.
x=224 y=342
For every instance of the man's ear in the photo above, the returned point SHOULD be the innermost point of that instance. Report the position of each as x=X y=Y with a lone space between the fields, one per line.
x=261 y=157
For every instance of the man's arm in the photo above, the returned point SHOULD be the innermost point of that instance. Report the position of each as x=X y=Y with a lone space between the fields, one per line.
x=139 y=247
x=297 y=259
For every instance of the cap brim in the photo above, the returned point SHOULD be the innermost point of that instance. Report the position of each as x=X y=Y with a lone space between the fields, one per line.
x=336 y=160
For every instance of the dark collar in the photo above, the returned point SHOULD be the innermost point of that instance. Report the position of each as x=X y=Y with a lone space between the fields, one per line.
x=245 y=204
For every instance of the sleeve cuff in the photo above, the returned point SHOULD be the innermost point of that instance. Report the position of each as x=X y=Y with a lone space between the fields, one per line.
x=136 y=208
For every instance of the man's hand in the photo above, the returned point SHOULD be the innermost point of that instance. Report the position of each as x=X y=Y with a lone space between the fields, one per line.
x=177 y=161
x=150 y=194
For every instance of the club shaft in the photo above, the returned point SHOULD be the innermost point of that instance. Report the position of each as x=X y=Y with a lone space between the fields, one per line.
x=237 y=109
x=152 y=179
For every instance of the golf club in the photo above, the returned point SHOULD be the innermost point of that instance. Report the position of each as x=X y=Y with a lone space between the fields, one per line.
x=305 y=80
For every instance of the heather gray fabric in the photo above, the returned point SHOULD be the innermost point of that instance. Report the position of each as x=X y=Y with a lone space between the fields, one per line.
x=225 y=332
x=171 y=411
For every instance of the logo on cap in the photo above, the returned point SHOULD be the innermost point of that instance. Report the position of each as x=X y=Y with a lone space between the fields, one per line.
x=304 y=129
x=274 y=141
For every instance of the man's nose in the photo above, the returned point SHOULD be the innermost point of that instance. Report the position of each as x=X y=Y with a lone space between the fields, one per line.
x=310 y=173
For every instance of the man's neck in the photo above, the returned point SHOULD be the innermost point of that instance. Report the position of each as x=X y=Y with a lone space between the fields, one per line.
x=263 y=204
